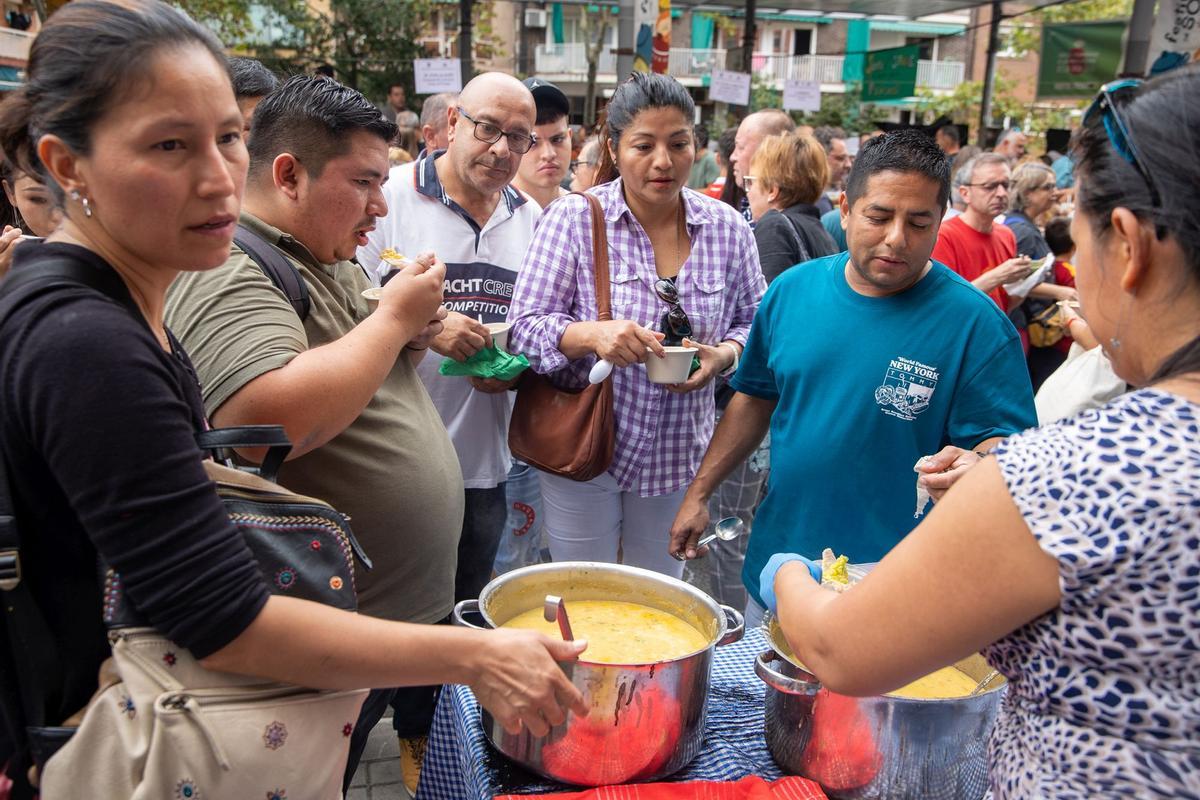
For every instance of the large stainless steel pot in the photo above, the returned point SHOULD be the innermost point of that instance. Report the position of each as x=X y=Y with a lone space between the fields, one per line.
x=870 y=748
x=645 y=721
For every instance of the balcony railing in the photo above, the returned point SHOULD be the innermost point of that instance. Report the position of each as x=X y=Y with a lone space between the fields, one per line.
x=571 y=59
x=14 y=44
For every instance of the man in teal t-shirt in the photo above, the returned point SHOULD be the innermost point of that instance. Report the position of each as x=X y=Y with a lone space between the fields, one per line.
x=861 y=363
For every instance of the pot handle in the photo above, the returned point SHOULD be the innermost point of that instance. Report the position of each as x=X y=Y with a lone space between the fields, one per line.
x=467 y=607
x=735 y=626
x=780 y=682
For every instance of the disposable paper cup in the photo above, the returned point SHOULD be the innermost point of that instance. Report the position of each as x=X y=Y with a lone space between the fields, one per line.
x=673 y=368
x=499 y=332
x=372 y=296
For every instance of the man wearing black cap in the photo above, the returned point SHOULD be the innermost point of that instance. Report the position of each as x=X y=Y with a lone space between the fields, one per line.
x=544 y=167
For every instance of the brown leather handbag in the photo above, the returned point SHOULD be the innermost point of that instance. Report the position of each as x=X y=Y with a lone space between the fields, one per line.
x=569 y=432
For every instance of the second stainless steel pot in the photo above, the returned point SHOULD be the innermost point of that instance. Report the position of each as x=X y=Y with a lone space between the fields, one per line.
x=645 y=721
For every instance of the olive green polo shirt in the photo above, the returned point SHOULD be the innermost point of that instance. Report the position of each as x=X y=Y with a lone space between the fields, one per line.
x=393 y=471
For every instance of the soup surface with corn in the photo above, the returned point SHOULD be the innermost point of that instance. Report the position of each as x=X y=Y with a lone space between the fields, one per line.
x=620 y=633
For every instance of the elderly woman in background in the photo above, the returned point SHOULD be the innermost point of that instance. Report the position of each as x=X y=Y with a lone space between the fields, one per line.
x=787 y=175
x=1033 y=196
x=1070 y=556
x=680 y=264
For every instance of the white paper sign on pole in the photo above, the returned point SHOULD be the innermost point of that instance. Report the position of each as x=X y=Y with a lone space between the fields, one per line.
x=435 y=75
x=801 y=96
x=730 y=87
x=1176 y=37
x=851 y=144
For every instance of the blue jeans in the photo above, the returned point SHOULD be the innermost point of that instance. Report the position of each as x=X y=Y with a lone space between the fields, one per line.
x=521 y=540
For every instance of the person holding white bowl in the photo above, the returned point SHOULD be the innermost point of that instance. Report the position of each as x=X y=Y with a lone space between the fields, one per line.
x=685 y=271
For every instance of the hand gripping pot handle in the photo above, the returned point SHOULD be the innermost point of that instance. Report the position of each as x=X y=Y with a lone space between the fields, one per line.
x=735 y=626
x=780 y=682
x=467 y=607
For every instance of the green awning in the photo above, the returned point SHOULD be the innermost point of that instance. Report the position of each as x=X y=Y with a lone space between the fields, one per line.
x=932 y=28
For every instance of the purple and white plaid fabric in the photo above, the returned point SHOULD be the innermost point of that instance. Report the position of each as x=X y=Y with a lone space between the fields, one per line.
x=661 y=436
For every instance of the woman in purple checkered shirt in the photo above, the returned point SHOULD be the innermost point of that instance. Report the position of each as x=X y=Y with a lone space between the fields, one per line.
x=657 y=229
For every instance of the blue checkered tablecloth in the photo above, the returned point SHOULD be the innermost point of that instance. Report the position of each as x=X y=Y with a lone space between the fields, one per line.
x=460 y=764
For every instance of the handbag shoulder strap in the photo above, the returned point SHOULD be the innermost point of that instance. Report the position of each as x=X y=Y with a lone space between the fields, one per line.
x=600 y=258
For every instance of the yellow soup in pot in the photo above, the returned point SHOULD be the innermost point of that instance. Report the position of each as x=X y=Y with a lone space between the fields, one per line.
x=946 y=682
x=620 y=633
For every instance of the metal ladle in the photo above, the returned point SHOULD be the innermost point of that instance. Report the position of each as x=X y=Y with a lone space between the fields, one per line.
x=555 y=610
x=991 y=676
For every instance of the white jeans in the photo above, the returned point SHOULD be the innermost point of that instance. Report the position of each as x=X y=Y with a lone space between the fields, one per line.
x=589 y=520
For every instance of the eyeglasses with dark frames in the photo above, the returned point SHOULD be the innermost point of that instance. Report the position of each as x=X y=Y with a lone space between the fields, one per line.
x=1105 y=106
x=519 y=143
x=993 y=186
x=676 y=324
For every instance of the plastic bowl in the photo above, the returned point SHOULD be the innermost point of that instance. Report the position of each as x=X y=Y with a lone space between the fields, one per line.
x=673 y=368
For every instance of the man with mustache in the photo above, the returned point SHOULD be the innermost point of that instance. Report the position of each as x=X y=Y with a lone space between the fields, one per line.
x=459 y=204
x=340 y=378
x=860 y=364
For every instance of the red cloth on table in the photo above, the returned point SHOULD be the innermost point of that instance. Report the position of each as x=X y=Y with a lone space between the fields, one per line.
x=971 y=253
x=1064 y=275
x=751 y=788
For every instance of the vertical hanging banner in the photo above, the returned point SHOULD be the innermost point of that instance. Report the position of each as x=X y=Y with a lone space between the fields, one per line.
x=1078 y=57
x=1176 y=37
x=645 y=17
x=890 y=74
x=661 y=49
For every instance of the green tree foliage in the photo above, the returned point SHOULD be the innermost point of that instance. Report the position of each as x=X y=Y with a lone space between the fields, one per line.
x=1026 y=35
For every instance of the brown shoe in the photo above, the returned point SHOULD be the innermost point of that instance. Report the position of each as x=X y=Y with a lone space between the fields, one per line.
x=412 y=756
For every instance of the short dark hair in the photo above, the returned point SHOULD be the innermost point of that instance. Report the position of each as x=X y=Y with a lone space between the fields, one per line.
x=899 y=151
x=1058 y=236
x=89 y=56
x=394 y=84
x=251 y=78
x=311 y=117
x=825 y=134
x=641 y=90
x=951 y=133
x=701 y=134
x=727 y=143
x=547 y=114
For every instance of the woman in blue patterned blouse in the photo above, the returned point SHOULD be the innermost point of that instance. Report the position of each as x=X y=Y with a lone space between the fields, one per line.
x=1070 y=558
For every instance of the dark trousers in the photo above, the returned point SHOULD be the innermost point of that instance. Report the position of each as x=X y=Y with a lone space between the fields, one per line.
x=484 y=514
x=1042 y=363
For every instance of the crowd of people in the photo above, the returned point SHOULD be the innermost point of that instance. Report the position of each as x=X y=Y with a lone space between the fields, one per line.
x=863 y=320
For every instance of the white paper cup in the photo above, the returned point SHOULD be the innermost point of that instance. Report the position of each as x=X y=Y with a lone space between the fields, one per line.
x=372 y=296
x=673 y=368
x=499 y=331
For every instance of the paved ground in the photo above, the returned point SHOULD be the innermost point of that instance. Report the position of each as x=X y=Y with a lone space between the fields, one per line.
x=378 y=776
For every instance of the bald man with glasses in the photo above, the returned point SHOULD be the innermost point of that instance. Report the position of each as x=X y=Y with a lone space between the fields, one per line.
x=459 y=204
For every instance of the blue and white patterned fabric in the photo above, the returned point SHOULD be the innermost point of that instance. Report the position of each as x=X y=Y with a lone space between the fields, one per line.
x=1104 y=692
x=461 y=765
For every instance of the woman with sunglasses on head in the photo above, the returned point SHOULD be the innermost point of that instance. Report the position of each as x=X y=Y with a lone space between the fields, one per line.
x=1070 y=558
x=683 y=270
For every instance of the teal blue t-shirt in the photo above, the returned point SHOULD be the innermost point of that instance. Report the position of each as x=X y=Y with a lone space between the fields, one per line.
x=864 y=387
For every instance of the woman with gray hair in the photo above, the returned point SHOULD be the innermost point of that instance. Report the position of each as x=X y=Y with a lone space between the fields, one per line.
x=1033 y=194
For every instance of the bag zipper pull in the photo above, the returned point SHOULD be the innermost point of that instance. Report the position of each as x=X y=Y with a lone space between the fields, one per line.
x=184 y=702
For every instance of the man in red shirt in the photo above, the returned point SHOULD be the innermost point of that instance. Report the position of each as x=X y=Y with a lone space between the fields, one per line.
x=973 y=244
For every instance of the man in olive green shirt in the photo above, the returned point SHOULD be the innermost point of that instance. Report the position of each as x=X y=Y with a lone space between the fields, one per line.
x=366 y=436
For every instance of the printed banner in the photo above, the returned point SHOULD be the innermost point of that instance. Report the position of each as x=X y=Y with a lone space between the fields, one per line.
x=1078 y=57
x=730 y=87
x=801 y=95
x=433 y=75
x=890 y=74
x=645 y=18
x=1176 y=37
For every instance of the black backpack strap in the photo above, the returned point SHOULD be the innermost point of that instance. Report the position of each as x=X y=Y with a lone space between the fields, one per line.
x=271 y=437
x=277 y=267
